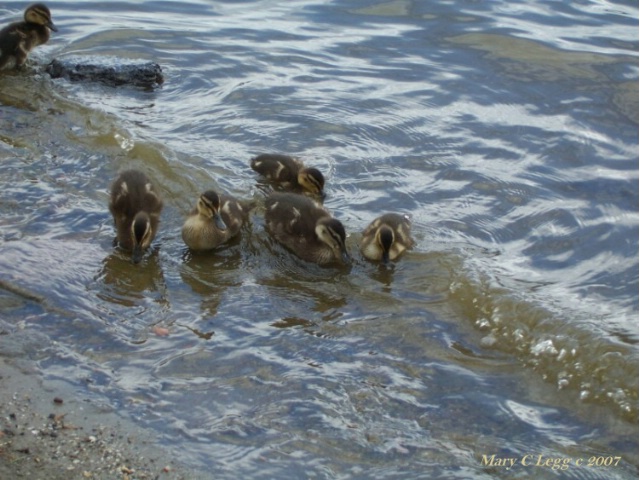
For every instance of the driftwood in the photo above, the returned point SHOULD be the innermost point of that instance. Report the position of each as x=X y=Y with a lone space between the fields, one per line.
x=146 y=75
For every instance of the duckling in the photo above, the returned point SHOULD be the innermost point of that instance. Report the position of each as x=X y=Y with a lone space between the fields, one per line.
x=289 y=172
x=306 y=228
x=214 y=220
x=19 y=38
x=135 y=207
x=387 y=237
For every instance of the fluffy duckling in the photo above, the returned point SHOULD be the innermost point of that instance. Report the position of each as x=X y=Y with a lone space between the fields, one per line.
x=306 y=228
x=387 y=237
x=19 y=38
x=136 y=208
x=289 y=172
x=214 y=220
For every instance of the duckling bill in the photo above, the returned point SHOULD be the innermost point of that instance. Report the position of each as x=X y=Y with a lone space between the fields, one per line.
x=214 y=220
x=387 y=237
x=290 y=173
x=136 y=207
x=19 y=38
x=306 y=228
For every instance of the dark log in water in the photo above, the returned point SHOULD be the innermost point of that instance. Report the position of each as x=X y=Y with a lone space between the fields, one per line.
x=147 y=75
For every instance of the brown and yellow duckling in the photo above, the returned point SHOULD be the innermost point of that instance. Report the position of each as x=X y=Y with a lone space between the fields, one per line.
x=214 y=220
x=135 y=207
x=387 y=237
x=19 y=38
x=306 y=228
x=290 y=173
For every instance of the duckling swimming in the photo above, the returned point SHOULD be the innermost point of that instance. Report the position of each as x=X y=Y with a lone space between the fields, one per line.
x=135 y=207
x=214 y=220
x=387 y=237
x=19 y=38
x=289 y=172
x=306 y=228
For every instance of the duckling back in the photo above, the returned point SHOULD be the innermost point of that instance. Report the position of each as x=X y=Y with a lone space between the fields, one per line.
x=136 y=207
x=306 y=228
x=387 y=237
x=19 y=38
x=289 y=173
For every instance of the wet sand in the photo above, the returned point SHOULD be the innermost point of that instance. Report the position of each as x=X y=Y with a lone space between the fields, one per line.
x=50 y=431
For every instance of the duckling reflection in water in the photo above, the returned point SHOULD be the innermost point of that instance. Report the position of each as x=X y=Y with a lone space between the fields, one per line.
x=290 y=173
x=306 y=228
x=214 y=220
x=135 y=207
x=19 y=38
x=387 y=237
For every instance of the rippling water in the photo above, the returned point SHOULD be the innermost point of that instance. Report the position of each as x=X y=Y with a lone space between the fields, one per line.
x=507 y=130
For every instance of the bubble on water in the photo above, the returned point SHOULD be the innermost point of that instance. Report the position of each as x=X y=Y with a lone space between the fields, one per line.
x=519 y=336
x=126 y=144
x=618 y=395
x=545 y=347
x=489 y=341
x=482 y=324
x=563 y=380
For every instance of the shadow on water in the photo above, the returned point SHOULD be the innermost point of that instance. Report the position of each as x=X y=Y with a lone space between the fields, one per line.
x=126 y=284
x=210 y=275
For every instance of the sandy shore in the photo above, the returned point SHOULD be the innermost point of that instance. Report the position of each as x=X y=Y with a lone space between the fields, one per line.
x=49 y=431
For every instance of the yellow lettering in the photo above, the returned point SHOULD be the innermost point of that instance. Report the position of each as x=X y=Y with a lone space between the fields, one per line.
x=540 y=463
x=488 y=461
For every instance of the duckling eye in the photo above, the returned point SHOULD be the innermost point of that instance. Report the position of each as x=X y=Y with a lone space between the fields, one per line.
x=330 y=237
x=205 y=208
x=36 y=15
x=312 y=184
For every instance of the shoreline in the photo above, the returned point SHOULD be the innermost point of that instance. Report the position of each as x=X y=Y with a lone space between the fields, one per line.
x=49 y=431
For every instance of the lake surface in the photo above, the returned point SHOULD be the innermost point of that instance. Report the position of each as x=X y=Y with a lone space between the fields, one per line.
x=508 y=131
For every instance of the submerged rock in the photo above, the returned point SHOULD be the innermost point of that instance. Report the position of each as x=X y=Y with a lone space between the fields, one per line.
x=146 y=75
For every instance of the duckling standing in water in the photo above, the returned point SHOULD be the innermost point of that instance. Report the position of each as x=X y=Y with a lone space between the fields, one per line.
x=289 y=172
x=19 y=38
x=135 y=207
x=387 y=237
x=214 y=220
x=306 y=228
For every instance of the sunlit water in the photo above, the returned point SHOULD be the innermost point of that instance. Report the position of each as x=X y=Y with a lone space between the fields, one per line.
x=507 y=130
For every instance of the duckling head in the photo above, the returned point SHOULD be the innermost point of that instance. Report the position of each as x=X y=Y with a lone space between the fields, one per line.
x=39 y=14
x=312 y=180
x=141 y=235
x=208 y=205
x=385 y=238
x=331 y=232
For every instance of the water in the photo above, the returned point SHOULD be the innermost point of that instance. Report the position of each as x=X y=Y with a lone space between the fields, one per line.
x=507 y=130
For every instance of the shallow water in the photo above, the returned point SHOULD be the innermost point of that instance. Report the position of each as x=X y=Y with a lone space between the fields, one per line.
x=507 y=130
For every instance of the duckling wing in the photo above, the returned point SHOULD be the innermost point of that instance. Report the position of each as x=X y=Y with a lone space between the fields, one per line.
x=276 y=167
x=131 y=193
x=294 y=215
x=11 y=37
x=402 y=226
x=233 y=213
